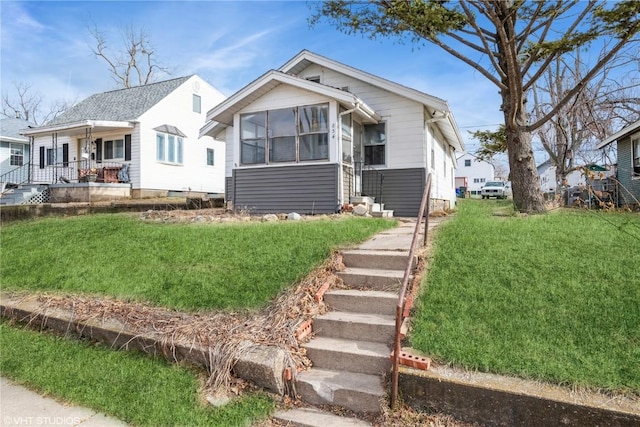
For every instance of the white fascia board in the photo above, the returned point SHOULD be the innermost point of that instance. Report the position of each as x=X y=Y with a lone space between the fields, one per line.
x=239 y=95
x=618 y=135
x=407 y=92
x=230 y=105
x=76 y=125
x=212 y=129
x=15 y=140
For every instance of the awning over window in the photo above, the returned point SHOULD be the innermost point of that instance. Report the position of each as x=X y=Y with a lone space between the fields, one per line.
x=172 y=130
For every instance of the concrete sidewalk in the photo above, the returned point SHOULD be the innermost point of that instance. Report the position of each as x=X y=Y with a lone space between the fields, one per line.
x=20 y=406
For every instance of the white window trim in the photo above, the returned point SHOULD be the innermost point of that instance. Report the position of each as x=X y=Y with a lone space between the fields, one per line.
x=104 y=150
x=633 y=139
x=267 y=162
x=178 y=149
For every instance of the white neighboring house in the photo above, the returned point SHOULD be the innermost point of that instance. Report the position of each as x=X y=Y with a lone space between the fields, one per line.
x=476 y=172
x=14 y=151
x=152 y=129
x=547 y=173
x=316 y=134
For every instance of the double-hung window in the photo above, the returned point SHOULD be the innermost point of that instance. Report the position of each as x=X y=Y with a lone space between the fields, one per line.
x=282 y=135
x=253 y=134
x=113 y=150
x=17 y=154
x=313 y=122
x=635 y=146
x=375 y=141
x=169 y=148
x=210 y=157
x=54 y=155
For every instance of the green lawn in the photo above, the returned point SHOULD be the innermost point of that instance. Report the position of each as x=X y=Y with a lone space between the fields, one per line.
x=553 y=297
x=183 y=266
x=135 y=388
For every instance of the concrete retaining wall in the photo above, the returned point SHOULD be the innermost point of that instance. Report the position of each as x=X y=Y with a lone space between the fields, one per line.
x=260 y=364
x=501 y=401
x=88 y=192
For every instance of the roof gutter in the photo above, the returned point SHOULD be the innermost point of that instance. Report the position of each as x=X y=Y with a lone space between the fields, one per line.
x=72 y=126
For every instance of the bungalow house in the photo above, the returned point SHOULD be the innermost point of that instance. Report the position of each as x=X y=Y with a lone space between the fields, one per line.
x=475 y=172
x=14 y=151
x=145 y=137
x=628 y=170
x=315 y=134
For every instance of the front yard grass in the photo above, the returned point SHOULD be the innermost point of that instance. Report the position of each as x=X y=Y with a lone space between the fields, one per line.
x=554 y=297
x=182 y=266
x=135 y=388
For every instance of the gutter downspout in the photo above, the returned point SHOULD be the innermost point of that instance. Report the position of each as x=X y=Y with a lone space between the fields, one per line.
x=340 y=169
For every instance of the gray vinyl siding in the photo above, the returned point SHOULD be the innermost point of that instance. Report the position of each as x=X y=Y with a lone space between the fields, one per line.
x=625 y=173
x=305 y=189
x=228 y=189
x=402 y=190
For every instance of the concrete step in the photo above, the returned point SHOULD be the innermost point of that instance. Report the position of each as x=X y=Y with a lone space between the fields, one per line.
x=355 y=326
x=378 y=279
x=357 y=392
x=312 y=417
x=382 y=214
x=385 y=260
x=363 y=357
x=358 y=301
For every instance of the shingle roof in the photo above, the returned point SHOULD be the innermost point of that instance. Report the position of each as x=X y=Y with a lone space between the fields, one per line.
x=10 y=128
x=119 y=105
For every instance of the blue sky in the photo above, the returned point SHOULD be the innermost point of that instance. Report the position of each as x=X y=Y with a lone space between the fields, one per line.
x=228 y=43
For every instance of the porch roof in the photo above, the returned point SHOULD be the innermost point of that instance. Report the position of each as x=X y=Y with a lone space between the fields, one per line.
x=221 y=116
x=622 y=133
x=78 y=128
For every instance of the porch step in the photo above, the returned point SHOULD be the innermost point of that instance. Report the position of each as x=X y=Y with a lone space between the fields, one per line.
x=378 y=279
x=382 y=214
x=386 y=260
x=354 y=391
x=362 y=200
x=312 y=417
x=20 y=195
x=362 y=357
x=354 y=300
x=356 y=326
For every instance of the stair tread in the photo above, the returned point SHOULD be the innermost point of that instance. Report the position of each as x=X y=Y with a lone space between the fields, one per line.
x=373 y=272
x=364 y=293
x=376 y=252
x=312 y=417
x=349 y=317
x=362 y=348
x=325 y=382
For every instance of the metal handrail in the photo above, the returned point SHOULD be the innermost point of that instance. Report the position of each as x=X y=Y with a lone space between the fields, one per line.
x=17 y=176
x=405 y=281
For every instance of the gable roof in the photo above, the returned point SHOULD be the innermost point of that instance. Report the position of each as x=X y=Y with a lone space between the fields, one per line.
x=305 y=58
x=436 y=106
x=10 y=129
x=119 y=105
x=622 y=133
x=222 y=114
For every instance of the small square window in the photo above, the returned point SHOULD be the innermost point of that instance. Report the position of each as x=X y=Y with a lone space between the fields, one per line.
x=467 y=162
